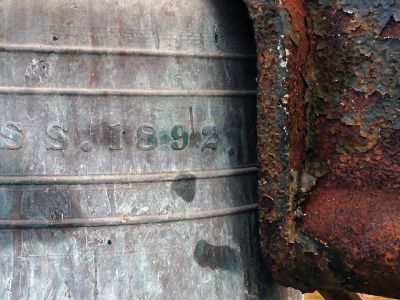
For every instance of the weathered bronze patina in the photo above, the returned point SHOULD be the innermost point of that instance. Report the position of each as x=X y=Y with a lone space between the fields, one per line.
x=128 y=150
x=329 y=142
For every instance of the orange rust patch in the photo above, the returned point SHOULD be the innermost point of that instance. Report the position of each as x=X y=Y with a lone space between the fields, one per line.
x=297 y=46
x=369 y=242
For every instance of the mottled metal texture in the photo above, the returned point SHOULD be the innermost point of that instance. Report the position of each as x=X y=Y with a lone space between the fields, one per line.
x=355 y=130
x=329 y=142
x=127 y=150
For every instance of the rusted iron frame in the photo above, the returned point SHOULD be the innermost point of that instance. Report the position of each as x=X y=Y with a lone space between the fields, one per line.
x=328 y=138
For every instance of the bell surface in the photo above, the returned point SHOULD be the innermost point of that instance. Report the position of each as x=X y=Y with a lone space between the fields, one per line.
x=127 y=150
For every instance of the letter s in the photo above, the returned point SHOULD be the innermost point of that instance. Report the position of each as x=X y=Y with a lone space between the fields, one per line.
x=57 y=138
x=11 y=136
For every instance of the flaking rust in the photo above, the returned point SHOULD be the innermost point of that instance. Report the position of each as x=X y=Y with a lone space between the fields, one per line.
x=329 y=142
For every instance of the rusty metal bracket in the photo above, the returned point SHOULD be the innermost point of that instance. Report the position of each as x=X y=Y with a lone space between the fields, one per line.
x=329 y=142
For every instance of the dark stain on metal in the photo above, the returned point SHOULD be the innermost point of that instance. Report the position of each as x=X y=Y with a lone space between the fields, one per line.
x=185 y=187
x=87 y=147
x=215 y=257
x=391 y=29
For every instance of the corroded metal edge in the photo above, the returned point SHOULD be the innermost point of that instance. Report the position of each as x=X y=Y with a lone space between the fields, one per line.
x=127 y=220
x=276 y=228
x=319 y=89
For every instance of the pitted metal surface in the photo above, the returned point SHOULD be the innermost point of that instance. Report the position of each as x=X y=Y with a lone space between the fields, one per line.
x=328 y=143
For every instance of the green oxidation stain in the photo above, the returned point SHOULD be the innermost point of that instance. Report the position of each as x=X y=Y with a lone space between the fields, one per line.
x=180 y=136
x=6 y=203
x=211 y=136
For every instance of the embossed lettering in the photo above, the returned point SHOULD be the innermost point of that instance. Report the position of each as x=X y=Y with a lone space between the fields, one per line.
x=180 y=134
x=211 y=138
x=177 y=138
x=11 y=136
x=57 y=138
x=115 y=136
x=147 y=139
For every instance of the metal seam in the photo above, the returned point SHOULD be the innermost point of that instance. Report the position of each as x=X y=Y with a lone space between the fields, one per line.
x=124 y=92
x=122 y=178
x=74 y=49
x=128 y=220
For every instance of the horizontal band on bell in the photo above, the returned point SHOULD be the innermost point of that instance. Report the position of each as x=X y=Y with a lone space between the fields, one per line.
x=124 y=92
x=127 y=220
x=124 y=178
x=74 y=49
